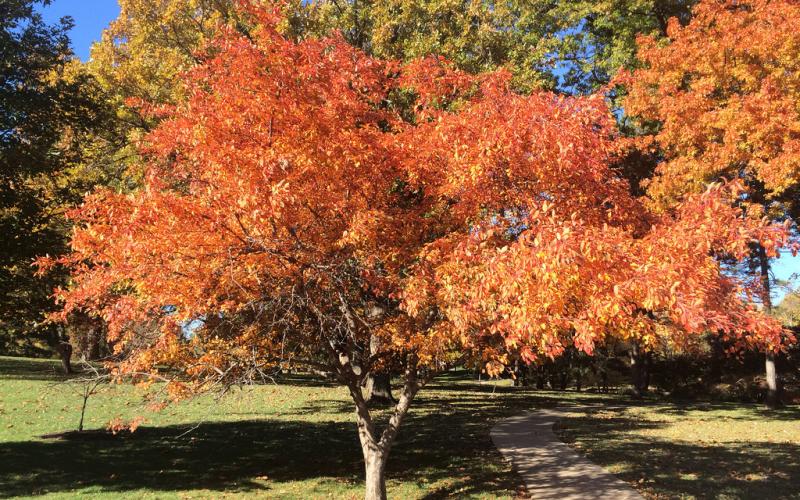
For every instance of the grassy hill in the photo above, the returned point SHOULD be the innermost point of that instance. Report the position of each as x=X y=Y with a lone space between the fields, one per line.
x=297 y=439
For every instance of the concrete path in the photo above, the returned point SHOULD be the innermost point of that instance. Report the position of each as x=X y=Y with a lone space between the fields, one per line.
x=550 y=468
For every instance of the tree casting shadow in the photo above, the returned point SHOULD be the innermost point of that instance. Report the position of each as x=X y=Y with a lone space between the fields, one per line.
x=450 y=446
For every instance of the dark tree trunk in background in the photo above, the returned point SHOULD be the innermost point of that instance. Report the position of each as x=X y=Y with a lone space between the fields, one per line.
x=540 y=377
x=773 y=398
x=65 y=351
x=717 y=360
x=378 y=386
x=93 y=337
x=637 y=369
x=648 y=368
x=563 y=379
x=379 y=389
x=566 y=371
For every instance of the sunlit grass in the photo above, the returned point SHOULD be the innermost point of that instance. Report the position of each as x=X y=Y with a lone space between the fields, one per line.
x=292 y=440
x=702 y=450
x=297 y=439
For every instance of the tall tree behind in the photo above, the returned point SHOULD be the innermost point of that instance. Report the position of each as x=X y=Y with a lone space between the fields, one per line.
x=572 y=46
x=725 y=94
x=47 y=106
x=144 y=50
x=284 y=207
x=788 y=311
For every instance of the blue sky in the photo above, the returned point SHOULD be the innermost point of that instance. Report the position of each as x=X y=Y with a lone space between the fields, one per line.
x=92 y=16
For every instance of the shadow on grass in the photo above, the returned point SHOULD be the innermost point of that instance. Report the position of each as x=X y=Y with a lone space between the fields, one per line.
x=790 y=413
x=217 y=456
x=444 y=442
x=671 y=469
x=30 y=369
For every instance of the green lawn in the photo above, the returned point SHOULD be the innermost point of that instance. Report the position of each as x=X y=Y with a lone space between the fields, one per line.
x=294 y=440
x=711 y=450
x=298 y=440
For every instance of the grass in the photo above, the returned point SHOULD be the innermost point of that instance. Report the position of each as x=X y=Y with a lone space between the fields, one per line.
x=294 y=440
x=298 y=440
x=702 y=450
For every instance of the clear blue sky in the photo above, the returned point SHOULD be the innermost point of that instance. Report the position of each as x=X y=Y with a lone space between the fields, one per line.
x=92 y=16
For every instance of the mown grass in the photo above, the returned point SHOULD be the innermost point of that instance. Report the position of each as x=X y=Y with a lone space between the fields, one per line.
x=293 y=440
x=699 y=450
x=298 y=440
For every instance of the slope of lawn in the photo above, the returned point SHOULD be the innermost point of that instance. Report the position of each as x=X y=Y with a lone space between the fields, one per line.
x=293 y=440
x=700 y=450
x=298 y=440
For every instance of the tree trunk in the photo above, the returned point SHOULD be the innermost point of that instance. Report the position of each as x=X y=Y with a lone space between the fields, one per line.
x=378 y=386
x=65 y=351
x=773 y=399
x=540 y=377
x=375 y=464
x=636 y=369
x=379 y=389
x=375 y=446
x=717 y=360
x=648 y=367
x=374 y=453
x=563 y=381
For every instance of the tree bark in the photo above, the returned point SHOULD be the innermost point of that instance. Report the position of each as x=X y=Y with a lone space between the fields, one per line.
x=374 y=464
x=773 y=398
x=379 y=389
x=717 y=360
x=378 y=385
x=563 y=379
x=636 y=369
x=65 y=351
x=540 y=377
x=375 y=446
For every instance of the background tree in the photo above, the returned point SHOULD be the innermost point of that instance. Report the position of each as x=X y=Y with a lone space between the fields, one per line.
x=788 y=311
x=144 y=51
x=724 y=94
x=285 y=200
x=47 y=107
x=573 y=46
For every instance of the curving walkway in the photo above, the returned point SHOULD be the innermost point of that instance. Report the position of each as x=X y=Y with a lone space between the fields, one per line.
x=550 y=468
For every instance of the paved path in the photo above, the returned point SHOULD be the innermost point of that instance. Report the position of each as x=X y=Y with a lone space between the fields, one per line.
x=550 y=468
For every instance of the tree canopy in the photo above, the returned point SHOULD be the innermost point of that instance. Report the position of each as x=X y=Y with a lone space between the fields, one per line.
x=291 y=206
x=46 y=109
x=724 y=92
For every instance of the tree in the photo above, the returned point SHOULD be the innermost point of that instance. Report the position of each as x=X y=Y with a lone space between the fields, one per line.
x=724 y=94
x=145 y=49
x=788 y=311
x=47 y=106
x=289 y=198
x=571 y=45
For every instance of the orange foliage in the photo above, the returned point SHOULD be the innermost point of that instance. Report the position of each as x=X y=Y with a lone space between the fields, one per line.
x=290 y=206
x=726 y=91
